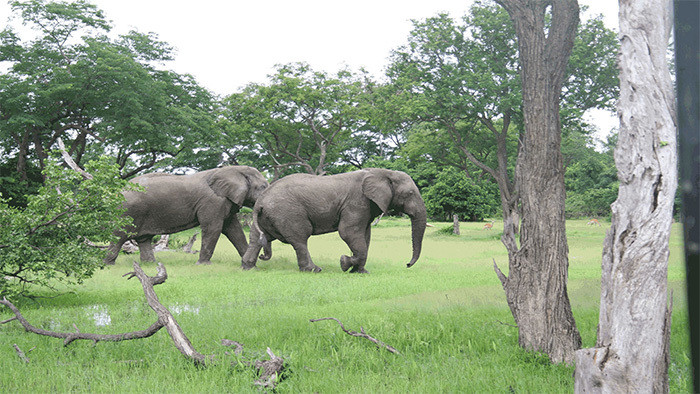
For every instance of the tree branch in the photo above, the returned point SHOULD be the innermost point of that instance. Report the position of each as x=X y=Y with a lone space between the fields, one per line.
x=69 y=160
x=361 y=334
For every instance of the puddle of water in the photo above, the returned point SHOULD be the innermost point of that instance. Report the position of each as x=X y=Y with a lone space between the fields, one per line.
x=178 y=309
x=99 y=315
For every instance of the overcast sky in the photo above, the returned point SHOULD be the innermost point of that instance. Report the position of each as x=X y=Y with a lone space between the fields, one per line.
x=228 y=44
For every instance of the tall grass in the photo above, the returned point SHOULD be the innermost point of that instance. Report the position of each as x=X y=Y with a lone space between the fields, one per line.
x=447 y=316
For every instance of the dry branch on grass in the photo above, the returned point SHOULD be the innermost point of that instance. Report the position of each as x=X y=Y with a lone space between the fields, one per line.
x=21 y=354
x=361 y=334
x=269 y=369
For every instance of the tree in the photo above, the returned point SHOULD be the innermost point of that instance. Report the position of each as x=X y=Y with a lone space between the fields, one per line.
x=100 y=95
x=298 y=121
x=536 y=284
x=53 y=237
x=461 y=83
x=455 y=194
x=631 y=352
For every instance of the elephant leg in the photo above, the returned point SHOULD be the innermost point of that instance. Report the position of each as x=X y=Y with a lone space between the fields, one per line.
x=210 y=236
x=304 y=258
x=113 y=251
x=251 y=254
x=357 y=241
x=146 y=249
x=234 y=232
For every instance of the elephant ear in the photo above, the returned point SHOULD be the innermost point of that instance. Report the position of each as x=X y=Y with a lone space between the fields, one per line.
x=378 y=189
x=230 y=184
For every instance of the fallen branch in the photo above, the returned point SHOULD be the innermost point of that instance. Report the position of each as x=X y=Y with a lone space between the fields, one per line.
x=165 y=319
x=72 y=336
x=361 y=334
x=270 y=370
x=21 y=354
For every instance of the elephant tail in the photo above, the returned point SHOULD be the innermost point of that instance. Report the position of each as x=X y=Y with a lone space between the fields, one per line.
x=266 y=245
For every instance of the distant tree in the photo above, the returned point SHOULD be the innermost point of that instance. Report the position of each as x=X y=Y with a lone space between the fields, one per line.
x=301 y=120
x=98 y=94
x=453 y=193
x=52 y=238
x=591 y=185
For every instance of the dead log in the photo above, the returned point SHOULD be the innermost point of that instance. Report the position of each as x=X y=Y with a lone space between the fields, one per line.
x=361 y=334
x=130 y=247
x=271 y=370
x=162 y=243
x=188 y=247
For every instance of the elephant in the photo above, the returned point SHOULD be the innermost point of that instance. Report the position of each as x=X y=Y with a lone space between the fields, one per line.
x=300 y=205
x=172 y=203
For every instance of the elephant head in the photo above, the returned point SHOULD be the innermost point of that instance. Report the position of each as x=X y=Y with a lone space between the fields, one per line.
x=396 y=190
x=241 y=185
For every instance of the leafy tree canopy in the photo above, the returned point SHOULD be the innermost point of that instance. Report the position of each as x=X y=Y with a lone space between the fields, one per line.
x=302 y=120
x=99 y=94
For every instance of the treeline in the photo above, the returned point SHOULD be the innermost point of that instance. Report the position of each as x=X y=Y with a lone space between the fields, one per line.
x=448 y=111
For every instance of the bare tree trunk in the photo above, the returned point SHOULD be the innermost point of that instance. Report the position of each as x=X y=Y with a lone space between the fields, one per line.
x=631 y=354
x=538 y=270
x=455 y=224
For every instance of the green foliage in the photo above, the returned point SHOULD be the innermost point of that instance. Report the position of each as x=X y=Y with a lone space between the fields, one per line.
x=303 y=120
x=100 y=95
x=47 y=241
x=454 y=193
x=15 y=189
x=455 y=91
x=591 y=184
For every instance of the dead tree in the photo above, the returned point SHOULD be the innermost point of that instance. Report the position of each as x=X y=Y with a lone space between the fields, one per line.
x=631 y=353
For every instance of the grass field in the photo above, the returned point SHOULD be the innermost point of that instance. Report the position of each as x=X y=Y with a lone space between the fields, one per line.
x=447 y=316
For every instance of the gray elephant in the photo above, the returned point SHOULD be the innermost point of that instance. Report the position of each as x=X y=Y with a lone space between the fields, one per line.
x=172 y=203
x=300 y=205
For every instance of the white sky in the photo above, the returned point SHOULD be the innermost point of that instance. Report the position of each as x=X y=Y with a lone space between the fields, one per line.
x=228 y=44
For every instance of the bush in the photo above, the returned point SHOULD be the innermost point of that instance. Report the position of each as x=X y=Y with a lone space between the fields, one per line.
x=454 y=193
x=50 y=239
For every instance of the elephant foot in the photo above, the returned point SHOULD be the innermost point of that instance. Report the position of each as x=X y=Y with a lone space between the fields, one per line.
x=203 y=262
x=264 y=257
x=356 y=270
x=345 y=263
x=311 y=268
x=249 y=267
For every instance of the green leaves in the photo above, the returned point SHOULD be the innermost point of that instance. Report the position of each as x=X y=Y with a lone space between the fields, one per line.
x=299 y=120
x=454 y=193
x=100 y=95
x=53 y=238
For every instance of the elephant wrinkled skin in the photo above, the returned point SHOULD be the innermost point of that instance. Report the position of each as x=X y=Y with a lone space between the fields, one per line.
x=172 y=203
x=300 y=205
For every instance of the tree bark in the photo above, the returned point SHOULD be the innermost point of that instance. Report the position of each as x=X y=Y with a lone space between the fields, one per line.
x=631 y=353
x=538 y=271
x=455 y=224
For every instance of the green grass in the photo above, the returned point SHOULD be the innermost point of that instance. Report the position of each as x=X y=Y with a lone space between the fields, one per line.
x=447 y=315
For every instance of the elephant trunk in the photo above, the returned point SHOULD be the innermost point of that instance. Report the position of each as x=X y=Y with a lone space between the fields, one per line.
x=418 y=223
